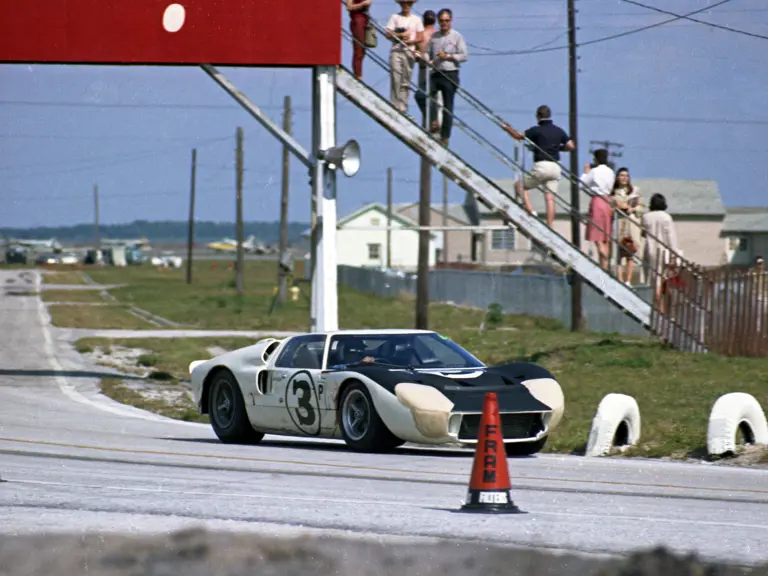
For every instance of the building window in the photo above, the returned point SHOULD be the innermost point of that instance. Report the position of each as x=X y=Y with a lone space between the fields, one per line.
x=743 y=245
x=375 y=221
x=374 y=251
x=503 y=239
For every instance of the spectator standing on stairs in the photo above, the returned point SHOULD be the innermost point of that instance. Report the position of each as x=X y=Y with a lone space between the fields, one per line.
x=405 y=30
x=428 y=19
x=358 y=22
x=599 y=179
x=549 y=139
x=447 y=50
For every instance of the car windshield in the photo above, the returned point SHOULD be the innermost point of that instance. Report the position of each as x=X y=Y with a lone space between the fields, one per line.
x=418 y=350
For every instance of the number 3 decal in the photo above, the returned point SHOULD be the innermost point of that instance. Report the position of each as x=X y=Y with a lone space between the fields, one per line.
x=302 y=403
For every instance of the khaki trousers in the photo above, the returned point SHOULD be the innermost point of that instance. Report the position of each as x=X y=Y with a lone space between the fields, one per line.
x=401 y=65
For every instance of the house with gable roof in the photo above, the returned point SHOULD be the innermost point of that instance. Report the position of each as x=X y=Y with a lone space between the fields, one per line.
x=361 y=239
x=745 y=231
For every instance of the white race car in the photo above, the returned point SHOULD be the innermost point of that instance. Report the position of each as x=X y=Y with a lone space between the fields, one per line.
x=376 y=389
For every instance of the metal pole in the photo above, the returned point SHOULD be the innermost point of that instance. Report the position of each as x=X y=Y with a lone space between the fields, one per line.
x=281 y=275
x=325 y=272
x=96 y=216
x=576 y=314
x=191 y=232
x=254 y=111
x=422 y=279
x=239 y=225
x=445 y=219
x=389 y=218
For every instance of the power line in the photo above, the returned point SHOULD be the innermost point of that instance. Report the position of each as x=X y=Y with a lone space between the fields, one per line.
x=686 y=17
x=495 y=17
x=688 y=120
x=493 y=52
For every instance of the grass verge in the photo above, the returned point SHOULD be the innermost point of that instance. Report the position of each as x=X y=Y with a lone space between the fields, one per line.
x=71 y=296
x=110 y=317
x=55 y=275
x=211 y=302
x=675 y=391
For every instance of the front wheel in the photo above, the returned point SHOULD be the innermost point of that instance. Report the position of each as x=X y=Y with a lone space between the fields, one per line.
x=226 y=408
x=361 y=427
x=525 y=448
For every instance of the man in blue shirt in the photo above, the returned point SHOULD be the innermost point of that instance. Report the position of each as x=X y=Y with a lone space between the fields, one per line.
x=549 y=140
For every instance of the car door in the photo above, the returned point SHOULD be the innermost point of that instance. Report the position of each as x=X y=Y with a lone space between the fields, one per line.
x=295 y=389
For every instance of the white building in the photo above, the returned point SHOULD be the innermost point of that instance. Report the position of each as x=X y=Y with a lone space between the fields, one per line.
x=362 y=240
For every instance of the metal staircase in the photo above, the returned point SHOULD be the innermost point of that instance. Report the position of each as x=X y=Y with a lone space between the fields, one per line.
x=668 y=327
x=490 y=194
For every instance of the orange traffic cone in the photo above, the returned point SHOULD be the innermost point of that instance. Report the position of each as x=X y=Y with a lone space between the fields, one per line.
x=489 y=485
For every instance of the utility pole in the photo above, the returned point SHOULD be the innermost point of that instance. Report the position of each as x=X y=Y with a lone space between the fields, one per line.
x=389 y=218
x=576 y=314
x=445 y=219
x=96 y=237
x=281 y=270
x=191 y=235
x=422 y=279
x=239 y=225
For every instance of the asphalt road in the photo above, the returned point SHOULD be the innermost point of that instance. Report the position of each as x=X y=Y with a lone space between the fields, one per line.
x=73 y=460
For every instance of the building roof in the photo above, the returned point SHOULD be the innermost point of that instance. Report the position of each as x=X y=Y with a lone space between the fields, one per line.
x=456 y=212
x=684 y=197
x=746 y=219
x=378 y=207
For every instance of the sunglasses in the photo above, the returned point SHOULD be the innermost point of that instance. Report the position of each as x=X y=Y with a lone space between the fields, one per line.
x=444 y=20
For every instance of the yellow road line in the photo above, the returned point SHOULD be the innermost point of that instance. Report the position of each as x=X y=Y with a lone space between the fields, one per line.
x=370 y=468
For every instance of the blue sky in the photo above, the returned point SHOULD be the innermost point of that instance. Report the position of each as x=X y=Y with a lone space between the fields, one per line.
x=687 y=101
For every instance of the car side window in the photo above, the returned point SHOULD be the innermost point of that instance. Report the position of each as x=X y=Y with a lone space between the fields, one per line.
x=303 y=352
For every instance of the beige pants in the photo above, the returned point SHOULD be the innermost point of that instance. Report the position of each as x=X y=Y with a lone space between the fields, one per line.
x=401 y=65
x=544 y=174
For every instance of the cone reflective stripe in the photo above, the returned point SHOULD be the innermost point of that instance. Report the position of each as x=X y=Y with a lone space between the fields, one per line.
x=489 y=485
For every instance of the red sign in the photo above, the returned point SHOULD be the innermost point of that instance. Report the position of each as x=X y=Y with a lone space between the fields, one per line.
x=180 y=32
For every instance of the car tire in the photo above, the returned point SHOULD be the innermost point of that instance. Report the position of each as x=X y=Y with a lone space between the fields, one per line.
x=227 y=413
x=525 y=448
x=361 y=426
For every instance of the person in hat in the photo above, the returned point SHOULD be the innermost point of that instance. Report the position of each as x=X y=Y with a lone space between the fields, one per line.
x=405 y=29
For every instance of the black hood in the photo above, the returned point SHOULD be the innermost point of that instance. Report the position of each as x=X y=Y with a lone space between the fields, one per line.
x=467 y=393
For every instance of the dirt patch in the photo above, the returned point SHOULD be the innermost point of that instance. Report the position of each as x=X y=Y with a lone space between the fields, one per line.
x=747 y=455
x=201 y=553
x=169 y=400
x=124 y=359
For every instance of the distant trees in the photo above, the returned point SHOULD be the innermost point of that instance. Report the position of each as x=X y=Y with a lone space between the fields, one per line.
x=163 y=231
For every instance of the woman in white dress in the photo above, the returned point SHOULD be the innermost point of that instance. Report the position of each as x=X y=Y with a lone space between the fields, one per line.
x=660 y=237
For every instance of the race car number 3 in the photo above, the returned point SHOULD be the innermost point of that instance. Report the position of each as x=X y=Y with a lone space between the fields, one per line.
x=302 y=403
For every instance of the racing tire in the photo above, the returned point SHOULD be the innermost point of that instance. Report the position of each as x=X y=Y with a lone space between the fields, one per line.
x=730 y=414
x=525 y=448
x=227 y=413
x=616 y=423
x=361 y=426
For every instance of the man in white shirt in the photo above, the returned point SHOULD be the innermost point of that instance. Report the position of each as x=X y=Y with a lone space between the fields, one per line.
x=403 y=28
x=600 y=179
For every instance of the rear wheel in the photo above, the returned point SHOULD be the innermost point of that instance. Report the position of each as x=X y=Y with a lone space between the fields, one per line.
x=361 y=427
x=226 y=409
x=525 y=448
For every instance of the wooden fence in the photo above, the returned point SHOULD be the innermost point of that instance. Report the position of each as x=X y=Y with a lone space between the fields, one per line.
x=722 y=310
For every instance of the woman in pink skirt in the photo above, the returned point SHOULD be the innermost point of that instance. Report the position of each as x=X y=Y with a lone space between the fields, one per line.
x=599 y=179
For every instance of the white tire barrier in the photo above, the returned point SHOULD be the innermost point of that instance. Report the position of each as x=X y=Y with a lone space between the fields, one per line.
x=730 y=413
x=617 y=419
